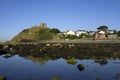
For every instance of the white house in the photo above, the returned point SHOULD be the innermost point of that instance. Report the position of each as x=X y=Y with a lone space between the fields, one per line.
x=101 y=32
x=69 y=32
x=79 y=32
x=110 y=31
x=91 y=32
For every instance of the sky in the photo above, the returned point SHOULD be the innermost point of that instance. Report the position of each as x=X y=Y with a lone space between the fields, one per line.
x=16 y=15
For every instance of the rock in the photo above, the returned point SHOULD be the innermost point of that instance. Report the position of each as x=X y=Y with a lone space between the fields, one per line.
x=71 y=61
x=71 y=45
x=81 y=67
x=47 y=45
x=57 y=45
x=117 y=74
x=97 y=78
x=5 y=46
x=2 y=78
x=7 y=56
x=56 y=78
x=101 y=61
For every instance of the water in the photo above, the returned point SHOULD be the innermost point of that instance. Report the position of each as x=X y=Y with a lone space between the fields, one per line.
x=45 y=68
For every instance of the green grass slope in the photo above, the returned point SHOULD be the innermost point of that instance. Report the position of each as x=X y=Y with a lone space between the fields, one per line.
x=35 y=33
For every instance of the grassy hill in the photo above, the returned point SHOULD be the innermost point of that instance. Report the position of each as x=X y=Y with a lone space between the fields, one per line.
x=35 y=33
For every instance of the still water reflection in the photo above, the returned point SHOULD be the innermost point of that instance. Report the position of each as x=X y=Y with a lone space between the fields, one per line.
x=45 y=68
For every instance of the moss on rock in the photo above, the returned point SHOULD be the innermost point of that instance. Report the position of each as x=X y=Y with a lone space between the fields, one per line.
x=2 y=78
x=71 y=61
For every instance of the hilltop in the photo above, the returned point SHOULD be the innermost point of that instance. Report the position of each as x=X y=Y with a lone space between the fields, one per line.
x=36 y=33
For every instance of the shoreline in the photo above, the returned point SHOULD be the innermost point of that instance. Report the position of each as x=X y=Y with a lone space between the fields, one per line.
x=64 y=42
x=71 y=48
x=82 y=41
x=72 y=41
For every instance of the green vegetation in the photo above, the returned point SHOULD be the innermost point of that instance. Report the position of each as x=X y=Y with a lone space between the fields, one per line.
x=55 y=30
x=70 y=37
x=12 y=51
x=36 y=33
x=71 y=61
x=103 y=28
x=118 y=33
x=115 y=31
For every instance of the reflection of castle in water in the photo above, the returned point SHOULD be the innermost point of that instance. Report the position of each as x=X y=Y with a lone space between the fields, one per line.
x=44 y=59
x=71 y=61
x=41 y=60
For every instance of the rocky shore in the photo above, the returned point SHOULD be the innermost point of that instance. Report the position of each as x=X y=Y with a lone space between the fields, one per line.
x=64 y=49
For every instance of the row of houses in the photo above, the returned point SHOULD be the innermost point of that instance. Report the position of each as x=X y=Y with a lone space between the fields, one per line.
x=77 y=33
x=97 y=34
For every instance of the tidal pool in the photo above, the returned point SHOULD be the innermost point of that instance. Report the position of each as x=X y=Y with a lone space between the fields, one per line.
x=45 y=68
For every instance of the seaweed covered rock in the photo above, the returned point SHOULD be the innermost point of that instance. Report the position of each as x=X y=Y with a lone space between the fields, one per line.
x=56 y=78
x=2 y=78
x=81 y=67
x=71 y=61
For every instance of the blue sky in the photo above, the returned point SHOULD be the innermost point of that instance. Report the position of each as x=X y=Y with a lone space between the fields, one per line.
x=16 y=15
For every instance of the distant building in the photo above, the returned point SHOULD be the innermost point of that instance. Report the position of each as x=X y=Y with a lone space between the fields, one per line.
x=43 y=25
x=91 y=32
x=69 y=32
x=112 y=36
x=100 y=34
x=79 y=32
x=110 y=31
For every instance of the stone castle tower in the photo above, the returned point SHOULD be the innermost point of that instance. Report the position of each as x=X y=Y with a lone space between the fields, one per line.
x=44 y=25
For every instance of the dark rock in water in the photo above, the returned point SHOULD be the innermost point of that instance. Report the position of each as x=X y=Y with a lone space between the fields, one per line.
x=117 y=74
x=2 y=78
x=81 y=67
x=7 y=56
x=101 y=61
x=56 y=78
x=97 y=78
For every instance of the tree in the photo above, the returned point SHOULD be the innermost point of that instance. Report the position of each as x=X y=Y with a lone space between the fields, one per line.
x=103 y=28
x=115 y=31
x=118 y=33
x=55 y=30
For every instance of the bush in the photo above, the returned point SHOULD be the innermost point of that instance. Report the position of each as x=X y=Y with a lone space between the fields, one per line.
x=118 y=33
x=55 y=30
